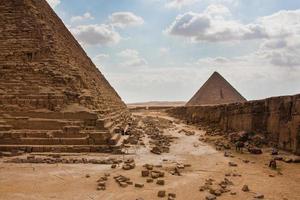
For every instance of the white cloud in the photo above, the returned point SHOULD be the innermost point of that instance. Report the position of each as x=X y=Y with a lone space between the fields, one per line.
x=100 y=57
x=85 y=16
x=53 y=3
x=103 y=34
x=179 y=3
x=132 y=58
x=213 y=25
x=95 y=34
x=164 y=51
x=125 y=19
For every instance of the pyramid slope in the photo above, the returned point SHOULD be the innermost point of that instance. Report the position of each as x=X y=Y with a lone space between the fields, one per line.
x=48 y=81
x=216 y=90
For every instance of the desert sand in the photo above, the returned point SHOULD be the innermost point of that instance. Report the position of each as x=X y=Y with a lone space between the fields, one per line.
x=30 y=181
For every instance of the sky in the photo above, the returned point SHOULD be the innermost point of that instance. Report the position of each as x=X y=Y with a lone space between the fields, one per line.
x=164 y=50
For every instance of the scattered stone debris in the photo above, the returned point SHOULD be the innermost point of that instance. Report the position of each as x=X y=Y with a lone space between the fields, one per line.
x=171 y=196
x=160 y=143
x=160 y=182
x=157 y=174
x=113 y=166
x=47 y=160
x=187 y=132
x=245 y=188
x=228 y=154
x=232 y=164
x=161 y=193
x=139 y=185
x=291 y=159
x=254 y=150
x=128 y=164
x=123 y=181
x=211 y=197
x=145 y=173
x=149 y=180
x=259 y=196
x=102 y=182
x=216 y=189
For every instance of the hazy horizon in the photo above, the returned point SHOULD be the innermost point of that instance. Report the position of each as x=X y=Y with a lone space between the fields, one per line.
x=164 y=50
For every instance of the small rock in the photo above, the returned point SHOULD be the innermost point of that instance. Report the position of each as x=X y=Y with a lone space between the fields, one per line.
x=160 y=182
x=102 y=184
x=232 y=164
x=173 y=195
x=138 y=185
x=245 y=188
x=145 y=173
x=161 y=193
x=122 y=184
x=155 y=174
x=100 y=188
x=149 y=180
x=259 y=196
x=210 y=197
x=113 y=166
x=255 y=150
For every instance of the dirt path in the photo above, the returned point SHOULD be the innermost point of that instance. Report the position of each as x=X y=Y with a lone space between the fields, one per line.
x=69 y=181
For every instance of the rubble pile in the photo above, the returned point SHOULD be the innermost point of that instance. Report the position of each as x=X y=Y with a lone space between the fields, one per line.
x=154 y=130
x=102 y=182
x=216 y=189
x=58 y=159
x=128 y=164
x=123 y=181
x=150 y=173
x=187 y=132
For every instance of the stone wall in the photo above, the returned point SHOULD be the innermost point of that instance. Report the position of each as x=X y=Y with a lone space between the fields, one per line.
x=278 y=118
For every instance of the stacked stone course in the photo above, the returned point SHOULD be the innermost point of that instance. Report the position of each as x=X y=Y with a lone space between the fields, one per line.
x=277 y=118
x=52 y=97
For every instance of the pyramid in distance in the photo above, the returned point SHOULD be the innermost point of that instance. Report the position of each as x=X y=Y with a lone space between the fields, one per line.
x=216 y=90
x=52 y=97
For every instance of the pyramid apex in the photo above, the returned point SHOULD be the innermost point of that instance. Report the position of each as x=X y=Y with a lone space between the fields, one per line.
x=216 y=90
x=216 y=74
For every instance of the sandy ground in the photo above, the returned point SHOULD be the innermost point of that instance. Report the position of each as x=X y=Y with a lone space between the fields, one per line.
x=69 y=181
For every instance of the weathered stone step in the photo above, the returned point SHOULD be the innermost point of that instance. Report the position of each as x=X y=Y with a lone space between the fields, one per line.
x=95 y=134
x=80 y=115
x=53 y=141
x=60 y=148
x=5 y=127
x=40 y=124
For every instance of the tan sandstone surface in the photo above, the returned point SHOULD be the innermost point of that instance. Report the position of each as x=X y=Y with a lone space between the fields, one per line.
x=31 y=181
x=52 y=96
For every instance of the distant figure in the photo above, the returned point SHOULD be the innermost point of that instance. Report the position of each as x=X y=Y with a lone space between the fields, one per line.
x=239 y=145
x=273 y=164
x=274 y=151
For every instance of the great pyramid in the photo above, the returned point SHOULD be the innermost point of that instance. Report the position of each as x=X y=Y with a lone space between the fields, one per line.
x=216 y=90
x=52 y=97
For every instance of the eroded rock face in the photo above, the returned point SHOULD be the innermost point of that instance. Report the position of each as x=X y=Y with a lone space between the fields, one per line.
x=277 y=119
x=49 y=86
